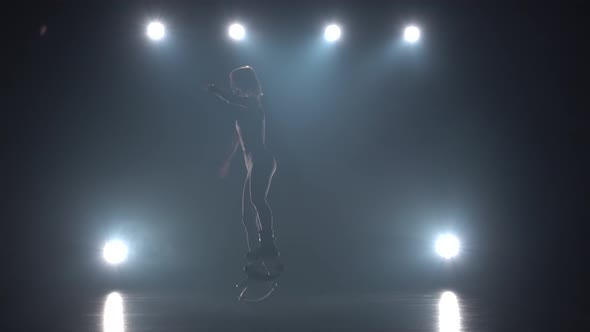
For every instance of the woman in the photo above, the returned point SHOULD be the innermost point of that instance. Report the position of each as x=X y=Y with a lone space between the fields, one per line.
x=245 y=97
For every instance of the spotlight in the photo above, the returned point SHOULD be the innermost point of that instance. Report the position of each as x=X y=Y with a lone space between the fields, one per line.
x=332 y=33
x=115 y=252
x=412 y=34
x=237 y=31
x=156 y=31
x=447 y=246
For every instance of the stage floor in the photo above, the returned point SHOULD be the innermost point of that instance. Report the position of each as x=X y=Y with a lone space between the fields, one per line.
x=187 y=309
x=442 y=310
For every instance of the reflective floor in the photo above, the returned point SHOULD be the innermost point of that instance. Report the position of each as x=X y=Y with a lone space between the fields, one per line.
x=178 y=310
x=446 y=311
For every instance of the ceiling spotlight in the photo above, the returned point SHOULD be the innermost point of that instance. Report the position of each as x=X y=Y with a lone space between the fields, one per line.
x=156 y=31
x=332 y=33
x=115 y=252
x=412 y=34
x=447 y=246
x=237 y=31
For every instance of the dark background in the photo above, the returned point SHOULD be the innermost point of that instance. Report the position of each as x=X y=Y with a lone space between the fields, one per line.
x=477 y=130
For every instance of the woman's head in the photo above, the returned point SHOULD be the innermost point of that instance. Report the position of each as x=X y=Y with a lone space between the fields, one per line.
x=243 y=81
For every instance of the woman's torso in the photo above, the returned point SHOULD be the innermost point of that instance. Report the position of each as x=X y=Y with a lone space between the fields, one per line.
x=251 y=129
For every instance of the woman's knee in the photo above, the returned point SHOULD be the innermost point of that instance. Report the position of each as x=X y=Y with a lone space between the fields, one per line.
x=259 y=202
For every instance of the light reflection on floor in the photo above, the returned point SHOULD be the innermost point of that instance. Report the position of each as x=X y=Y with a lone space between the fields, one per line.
x=437 y=311
x=113 y=319
x=449 y=313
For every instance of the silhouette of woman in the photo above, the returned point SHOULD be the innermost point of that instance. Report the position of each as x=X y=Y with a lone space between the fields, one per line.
x=246 y=101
